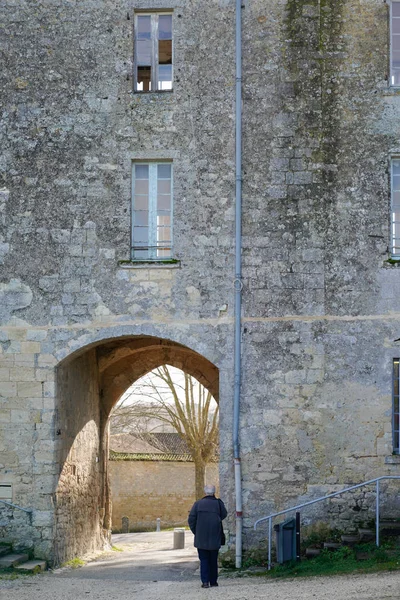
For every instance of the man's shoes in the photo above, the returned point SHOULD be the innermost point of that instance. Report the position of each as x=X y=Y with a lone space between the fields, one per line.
x=214 y=584
x=205 y=585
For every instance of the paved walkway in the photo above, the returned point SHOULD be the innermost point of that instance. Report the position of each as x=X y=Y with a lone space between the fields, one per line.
x=145 y=557
x=149 y=569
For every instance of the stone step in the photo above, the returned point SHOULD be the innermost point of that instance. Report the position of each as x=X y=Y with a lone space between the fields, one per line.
x=366 y=535
x=332 y=546
x=350 y=539
x=4 y=550
x=11 y=560
x=312 y=552
x=389 y=528
x=32 y=566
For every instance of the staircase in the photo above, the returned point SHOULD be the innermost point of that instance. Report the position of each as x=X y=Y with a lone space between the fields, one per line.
x=19 y=562
x=361 y=536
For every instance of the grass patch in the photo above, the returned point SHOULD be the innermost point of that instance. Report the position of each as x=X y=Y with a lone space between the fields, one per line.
x=116 y=549
x=362 y=558
x=10 y=575
x=341 y=562
x=75 y=563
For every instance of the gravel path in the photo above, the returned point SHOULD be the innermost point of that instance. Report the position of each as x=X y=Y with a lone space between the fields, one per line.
x=149 y=570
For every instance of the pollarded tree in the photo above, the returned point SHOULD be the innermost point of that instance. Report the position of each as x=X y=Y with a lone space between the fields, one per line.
x=182 y=404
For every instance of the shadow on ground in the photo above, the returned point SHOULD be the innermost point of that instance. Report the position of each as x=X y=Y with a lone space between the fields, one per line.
x=144 y=557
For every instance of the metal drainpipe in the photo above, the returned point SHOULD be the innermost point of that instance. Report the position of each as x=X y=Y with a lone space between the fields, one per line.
x=238 y=286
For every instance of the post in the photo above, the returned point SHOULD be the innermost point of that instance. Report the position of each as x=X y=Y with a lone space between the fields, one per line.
x=179 y=538
x=377 y=513
x=158 y=526
x=298 y=536
x=269 y=542
x=125 y=525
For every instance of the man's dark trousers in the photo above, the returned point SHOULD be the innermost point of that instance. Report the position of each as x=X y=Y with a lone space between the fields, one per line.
x=208 y=566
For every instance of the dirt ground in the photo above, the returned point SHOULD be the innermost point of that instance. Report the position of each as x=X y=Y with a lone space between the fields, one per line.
x=149 y=569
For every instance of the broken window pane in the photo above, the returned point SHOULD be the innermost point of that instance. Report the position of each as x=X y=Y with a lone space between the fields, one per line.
x=153 y=52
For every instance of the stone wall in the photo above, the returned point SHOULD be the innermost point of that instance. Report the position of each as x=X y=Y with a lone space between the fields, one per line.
x=321 y=304
x=80 y=503
x=146 y=490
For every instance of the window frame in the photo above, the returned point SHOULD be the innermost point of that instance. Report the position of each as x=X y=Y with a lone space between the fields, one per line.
x=395 y=433
x=152 y=208
x=154 y=14
x=391 y=34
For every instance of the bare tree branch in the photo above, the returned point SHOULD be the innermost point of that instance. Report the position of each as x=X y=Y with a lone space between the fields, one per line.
x=188 y=408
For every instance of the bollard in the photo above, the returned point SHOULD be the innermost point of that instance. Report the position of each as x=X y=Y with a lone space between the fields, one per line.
x=125 y=525
x=158 y=527
x=179 y=538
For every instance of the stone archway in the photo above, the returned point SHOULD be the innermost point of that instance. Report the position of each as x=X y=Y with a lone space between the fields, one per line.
x=89 y=383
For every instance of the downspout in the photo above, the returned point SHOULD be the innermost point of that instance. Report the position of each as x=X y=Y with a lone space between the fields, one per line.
x=238 y=287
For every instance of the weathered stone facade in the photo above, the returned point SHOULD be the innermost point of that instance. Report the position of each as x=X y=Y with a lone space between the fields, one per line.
x=321 y=314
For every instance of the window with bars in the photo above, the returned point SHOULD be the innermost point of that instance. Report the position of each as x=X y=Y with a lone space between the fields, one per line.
x=152 y=211
x=396 y=436
x=395 y=43
x=153 y=52
x=395 y=210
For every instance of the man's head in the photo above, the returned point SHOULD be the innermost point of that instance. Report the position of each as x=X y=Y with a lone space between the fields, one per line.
x=209 y=490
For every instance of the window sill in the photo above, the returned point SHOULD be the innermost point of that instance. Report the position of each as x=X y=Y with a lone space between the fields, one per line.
x=171 y=263
x=393 y=459
x=150 y=92
x=393 y=261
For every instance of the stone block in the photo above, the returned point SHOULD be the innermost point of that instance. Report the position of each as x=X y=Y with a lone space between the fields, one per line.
x=8 y=389
x=32 y=566
x=27 y=389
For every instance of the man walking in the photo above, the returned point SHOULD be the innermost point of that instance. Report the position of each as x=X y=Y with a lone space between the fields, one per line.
x=205 y=521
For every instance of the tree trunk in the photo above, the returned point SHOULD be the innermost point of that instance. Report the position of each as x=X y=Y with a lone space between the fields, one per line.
x=199 y=478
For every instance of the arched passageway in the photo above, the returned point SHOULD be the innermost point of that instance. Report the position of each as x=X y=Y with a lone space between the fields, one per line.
x=89 y=383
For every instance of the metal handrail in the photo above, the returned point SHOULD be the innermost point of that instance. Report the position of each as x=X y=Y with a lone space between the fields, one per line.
x=377 y=480
x=27 y=510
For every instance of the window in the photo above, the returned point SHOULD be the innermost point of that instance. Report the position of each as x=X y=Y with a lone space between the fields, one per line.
x=395 y=212
x=395 y=43
x=396 y=437
x=152 y=211
x=6 y=491
x=153 y=52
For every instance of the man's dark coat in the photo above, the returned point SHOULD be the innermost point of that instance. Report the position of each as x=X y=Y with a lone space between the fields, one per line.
x=205 y=522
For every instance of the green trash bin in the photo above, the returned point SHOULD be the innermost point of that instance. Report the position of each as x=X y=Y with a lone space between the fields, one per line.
x=286 y=541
